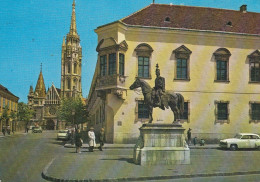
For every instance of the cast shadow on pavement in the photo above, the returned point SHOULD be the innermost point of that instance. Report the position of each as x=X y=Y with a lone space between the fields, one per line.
x=129 y=160
x=58 y=143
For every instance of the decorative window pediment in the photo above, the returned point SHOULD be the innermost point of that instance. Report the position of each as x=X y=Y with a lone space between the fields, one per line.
x=144 y=50
x=254 y=56
x=222 y=54
x=182 y=52
x=110 y=44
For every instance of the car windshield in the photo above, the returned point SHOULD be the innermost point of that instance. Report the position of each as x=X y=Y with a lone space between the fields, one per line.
x=238 y=136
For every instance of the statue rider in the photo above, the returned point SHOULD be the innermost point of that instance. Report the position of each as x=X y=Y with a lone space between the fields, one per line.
x=159 y=89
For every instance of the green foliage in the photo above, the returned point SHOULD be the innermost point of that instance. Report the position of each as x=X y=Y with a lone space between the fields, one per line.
x=72 y=110
x=5 y=116
x=24 y=113
x=13 y=115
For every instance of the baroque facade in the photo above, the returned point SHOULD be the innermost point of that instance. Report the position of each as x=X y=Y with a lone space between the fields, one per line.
x=208 y=55
x=45 y=104
x=8 y=101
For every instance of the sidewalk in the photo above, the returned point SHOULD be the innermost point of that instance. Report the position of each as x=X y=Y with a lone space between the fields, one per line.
x=11 y=134
x=131 y=146
x=115 y=163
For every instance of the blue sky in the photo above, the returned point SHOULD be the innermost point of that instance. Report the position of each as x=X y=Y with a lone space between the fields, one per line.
x=31 y=33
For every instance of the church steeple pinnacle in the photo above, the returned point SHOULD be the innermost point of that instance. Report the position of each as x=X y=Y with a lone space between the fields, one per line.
x=40 y=86
x=73 y=27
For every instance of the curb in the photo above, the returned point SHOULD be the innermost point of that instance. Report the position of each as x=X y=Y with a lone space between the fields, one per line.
x=49 y=178
x=213 y=147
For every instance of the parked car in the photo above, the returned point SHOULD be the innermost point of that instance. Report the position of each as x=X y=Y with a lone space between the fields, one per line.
x=63 y=135
x=37 y=129
x=241 y=141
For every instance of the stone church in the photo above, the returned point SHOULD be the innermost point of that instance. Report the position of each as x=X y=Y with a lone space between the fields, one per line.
x=45 y=103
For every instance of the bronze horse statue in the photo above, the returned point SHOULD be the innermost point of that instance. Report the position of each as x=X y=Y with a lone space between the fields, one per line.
x=169 y=99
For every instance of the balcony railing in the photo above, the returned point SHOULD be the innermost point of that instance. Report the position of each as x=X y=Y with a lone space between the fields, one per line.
x=110 y=82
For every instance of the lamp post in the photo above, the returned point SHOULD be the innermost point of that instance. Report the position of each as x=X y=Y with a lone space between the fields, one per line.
x=73 y=131
x=73 y=117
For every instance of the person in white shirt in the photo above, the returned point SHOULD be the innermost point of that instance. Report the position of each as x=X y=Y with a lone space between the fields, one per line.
x=91 y=142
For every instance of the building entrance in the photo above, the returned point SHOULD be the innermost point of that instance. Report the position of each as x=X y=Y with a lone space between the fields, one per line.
x=50 y=125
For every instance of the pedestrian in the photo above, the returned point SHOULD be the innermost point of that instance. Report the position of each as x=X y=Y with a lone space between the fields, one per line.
x=78 y=140
x=189 y=136
x=3 y=130
x=195 y=141
x=8 y=130
x=72 y=136
x=101 y=138
x=92 y=142
x=13 y=130
x=202 y=142
x=27 y=129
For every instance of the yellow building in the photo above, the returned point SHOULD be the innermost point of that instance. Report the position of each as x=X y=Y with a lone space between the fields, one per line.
x=10 y=102
x=208 y=55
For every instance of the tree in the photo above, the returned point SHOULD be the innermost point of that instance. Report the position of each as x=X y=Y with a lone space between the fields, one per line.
x=24 y=113
x=73 y=111
x=5 y=116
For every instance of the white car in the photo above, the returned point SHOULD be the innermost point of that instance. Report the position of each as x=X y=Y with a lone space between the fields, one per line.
x=241 y=140
x=63 y=135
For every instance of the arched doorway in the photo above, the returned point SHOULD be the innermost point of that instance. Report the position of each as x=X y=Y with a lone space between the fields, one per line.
x=50 y=124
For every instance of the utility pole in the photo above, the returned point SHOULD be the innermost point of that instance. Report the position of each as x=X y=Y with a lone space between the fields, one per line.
x=153 y=1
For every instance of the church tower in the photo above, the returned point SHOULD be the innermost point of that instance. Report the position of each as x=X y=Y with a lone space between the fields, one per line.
x=71 y=56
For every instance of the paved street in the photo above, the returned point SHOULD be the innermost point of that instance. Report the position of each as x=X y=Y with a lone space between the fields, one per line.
x=23 y=157
x=118 y=164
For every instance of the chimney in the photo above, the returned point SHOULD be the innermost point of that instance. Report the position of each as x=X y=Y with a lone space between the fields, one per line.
x=243 y=8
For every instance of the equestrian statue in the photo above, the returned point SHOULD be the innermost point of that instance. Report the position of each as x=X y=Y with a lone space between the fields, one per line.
x=158 y=97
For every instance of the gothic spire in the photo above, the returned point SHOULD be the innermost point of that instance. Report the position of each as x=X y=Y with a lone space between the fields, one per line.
x=40 y=86
x=63 y=42
x=73 y=28
x=31 y=90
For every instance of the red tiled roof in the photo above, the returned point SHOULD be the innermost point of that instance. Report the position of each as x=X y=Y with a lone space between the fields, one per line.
x=7 y=91
x=198 y=18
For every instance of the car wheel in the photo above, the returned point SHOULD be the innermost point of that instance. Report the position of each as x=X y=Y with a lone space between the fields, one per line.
x=233 y=147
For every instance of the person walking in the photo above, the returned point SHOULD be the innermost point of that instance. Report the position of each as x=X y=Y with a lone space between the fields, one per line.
x=8 y=130
x=78 y=140
x=101 y=138
x=92 y=142
x=3 y=130
x=189 y=136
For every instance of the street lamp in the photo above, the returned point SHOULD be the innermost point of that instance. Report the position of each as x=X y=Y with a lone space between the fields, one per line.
x=73 y=132
x=73 y=115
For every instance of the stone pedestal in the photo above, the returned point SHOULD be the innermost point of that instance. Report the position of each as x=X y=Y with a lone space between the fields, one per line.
x=161 y=144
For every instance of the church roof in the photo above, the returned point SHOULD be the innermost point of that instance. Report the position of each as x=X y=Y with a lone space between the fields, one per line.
x=40 y=86
x=196 y=18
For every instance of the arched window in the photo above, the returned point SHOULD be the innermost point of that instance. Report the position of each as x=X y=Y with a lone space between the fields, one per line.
x=69 y=68
x=167 y=19
x=75 y=84
x=75 y=68
x=182 y=55
x=222 y=64
x=144 y=52
x=68 y=84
